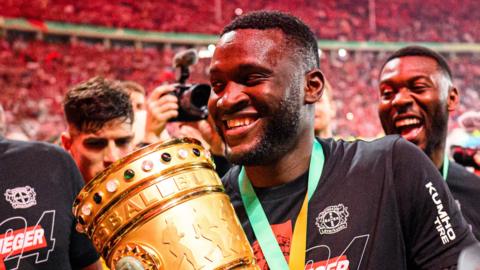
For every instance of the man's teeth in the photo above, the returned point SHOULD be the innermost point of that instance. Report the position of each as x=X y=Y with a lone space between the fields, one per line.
x=407 y=122
x=239 y=122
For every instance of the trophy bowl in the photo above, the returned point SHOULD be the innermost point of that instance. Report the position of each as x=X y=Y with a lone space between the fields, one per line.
x=163 y=207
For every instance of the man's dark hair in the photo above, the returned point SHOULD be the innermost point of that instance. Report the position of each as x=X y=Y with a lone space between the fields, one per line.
x=294 y=29
x=91 y=104
x=422 y=51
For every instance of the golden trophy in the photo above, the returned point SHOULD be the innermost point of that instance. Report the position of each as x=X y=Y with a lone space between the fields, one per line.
x=163 y=207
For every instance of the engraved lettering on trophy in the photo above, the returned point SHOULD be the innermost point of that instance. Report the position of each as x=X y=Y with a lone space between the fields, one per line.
x=211 y=178
x=187 y=181
x=131 y=208
x=96 y=241
x=205 y=229
x=150 y=196
x=115 y=220
x=182 y=253
x=193 y=177
x=167 y=187
x=182 y=182
x=101 y=235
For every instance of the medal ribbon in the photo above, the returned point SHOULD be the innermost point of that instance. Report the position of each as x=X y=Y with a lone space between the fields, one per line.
x=445 y=167
x=261 y=227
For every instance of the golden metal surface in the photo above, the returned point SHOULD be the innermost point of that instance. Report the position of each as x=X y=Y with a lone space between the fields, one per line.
x=164 y=206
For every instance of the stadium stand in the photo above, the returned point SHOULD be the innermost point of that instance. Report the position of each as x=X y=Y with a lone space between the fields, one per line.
x=421 y=20
x=36 y=69
x=34 y=76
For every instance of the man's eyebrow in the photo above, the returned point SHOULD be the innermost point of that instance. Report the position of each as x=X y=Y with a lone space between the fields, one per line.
x=243 y=68
x=125 y=137
x=94 y=139
x=391 y=81
x=416 y=78
x=254 y=67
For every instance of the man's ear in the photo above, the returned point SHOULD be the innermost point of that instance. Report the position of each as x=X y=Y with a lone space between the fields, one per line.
x=66 y=140
x=314 y=82
x=453 y=99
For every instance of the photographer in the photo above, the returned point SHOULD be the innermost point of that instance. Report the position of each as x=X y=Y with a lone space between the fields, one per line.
x=465 y=141
x=180 y=110
x=162 y=107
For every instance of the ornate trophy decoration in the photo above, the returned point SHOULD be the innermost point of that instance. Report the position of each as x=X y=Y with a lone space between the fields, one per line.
x=163 y=207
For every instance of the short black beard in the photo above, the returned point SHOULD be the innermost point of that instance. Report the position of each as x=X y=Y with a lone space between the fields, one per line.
x=438 y=131
x=279 y=134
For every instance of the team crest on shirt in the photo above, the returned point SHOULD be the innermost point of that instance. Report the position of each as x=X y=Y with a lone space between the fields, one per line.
x=332 y=219
x=21 y=197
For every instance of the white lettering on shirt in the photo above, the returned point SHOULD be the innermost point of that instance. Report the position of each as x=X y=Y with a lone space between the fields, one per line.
x=442 y=221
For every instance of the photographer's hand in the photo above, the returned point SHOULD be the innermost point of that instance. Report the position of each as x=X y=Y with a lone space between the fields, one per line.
x=160 y=108
x=202 y=130
x=210 y=134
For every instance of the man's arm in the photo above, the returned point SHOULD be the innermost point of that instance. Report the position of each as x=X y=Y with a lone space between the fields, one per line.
x=434 y=228
x=94 y=266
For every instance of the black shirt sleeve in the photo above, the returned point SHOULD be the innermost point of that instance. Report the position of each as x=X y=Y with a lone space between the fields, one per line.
x=465 y=188
x=221 y=165
x=435 y=231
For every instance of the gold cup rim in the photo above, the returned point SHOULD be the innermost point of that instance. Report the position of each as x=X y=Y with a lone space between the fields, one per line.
x=117 y=165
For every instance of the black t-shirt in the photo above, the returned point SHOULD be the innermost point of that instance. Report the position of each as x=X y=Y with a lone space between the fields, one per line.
x=221 y=165
x=38 y=183
x=378 y=205
x=465 y=188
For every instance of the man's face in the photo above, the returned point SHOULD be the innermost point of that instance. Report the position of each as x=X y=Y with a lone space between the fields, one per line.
x=138 y=101
x=257 y=95
x=93 y=152
x=413 y=101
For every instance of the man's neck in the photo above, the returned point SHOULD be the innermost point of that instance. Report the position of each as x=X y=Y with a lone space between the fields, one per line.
x=324 y=133
x=437 y=156
x=284 y=170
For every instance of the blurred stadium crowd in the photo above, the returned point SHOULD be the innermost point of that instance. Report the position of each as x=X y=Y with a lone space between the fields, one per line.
x=397 y=20
x=34 y=75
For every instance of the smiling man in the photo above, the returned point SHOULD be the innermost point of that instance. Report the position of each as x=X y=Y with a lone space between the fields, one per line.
x=100 y=125
x=416 y=96
x=309 y=203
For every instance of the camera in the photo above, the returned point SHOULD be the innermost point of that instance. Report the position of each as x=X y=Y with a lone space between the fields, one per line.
x=192 y=98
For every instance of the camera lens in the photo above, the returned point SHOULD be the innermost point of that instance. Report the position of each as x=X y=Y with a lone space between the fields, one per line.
x=200 y=94
x=193 y=102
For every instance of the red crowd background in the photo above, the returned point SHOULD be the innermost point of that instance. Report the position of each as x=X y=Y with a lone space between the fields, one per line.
x=34 y=75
